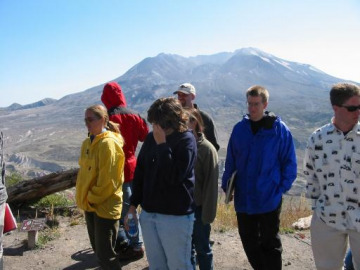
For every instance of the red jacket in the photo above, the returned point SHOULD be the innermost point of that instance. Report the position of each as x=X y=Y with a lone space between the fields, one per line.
x=133 y=127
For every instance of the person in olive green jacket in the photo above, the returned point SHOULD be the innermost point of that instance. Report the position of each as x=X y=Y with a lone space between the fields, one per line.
x=99 y=184
x=205 y=194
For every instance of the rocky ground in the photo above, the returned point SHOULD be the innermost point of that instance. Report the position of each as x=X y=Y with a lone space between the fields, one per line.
x=71 y=251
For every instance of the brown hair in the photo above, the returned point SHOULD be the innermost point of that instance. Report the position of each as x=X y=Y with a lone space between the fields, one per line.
x=168 y=113
x=100 y=112
x=258 y=91
x=341 y=92
x=194 y=115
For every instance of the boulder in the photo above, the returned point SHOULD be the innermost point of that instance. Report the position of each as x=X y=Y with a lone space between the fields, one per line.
x=302 y=223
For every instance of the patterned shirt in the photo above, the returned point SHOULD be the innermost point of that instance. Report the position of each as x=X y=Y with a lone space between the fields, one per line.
x=332 y=169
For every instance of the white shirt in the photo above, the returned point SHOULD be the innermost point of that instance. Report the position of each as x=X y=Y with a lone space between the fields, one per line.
x=332 y=169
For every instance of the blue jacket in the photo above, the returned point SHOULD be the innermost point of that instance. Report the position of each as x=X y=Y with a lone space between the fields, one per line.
x=265 y=163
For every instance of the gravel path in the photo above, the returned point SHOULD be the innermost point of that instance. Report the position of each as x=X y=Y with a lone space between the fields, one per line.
x=71 y=251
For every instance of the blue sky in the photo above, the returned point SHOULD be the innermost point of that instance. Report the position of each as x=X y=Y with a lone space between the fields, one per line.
x=51 y=48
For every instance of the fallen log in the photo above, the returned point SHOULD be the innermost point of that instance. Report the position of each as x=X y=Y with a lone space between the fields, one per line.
x=40 y=187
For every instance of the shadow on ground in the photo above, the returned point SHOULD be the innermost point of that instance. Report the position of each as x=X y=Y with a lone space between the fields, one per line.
x=17 y=250
x=86 y=259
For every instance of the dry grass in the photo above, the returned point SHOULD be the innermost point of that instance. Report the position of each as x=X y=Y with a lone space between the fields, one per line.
x=77 y=217
x=225 y=217
x=293 y=208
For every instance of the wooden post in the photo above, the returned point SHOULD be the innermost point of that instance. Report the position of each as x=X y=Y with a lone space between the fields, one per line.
x=32 y=226
x=32 y=239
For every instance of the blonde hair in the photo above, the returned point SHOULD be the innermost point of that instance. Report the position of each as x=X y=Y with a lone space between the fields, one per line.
x=258 y=91
x=100 y=112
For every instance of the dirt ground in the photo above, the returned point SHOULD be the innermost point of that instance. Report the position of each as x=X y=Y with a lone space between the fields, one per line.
x=71 y=251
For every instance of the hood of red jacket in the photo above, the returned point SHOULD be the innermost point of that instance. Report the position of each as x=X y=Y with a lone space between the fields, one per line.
x=113 y=96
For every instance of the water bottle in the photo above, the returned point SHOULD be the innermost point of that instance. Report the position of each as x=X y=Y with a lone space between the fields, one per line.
x=133 y=228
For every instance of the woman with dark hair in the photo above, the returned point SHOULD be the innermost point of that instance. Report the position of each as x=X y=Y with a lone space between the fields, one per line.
x=164 y=185
x=206 y=193
x=99 y=184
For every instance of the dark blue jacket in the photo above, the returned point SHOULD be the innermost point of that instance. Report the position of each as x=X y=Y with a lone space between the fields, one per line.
x=265 y=164
x=164 y=176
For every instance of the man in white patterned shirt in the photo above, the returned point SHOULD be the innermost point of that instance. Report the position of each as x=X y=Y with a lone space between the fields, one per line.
x=332 y=169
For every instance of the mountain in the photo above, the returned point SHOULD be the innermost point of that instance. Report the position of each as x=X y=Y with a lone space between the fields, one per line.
x=47 y=137
x=43 y=102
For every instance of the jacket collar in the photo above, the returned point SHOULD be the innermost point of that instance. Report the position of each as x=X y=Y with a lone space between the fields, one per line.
x=354 y=130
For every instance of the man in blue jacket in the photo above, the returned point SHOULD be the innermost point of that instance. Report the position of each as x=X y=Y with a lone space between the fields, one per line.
x=262 y=151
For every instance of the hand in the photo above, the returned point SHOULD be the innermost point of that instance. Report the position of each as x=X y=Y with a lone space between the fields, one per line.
x=159 y=134
x=132 y=210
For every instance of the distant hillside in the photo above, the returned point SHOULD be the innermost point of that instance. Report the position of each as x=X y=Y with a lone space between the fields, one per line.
x=47 y=136
x=17 y=106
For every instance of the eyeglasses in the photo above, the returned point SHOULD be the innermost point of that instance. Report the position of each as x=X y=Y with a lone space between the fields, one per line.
x=253 y=104
x=89 y=120
x=351 y=108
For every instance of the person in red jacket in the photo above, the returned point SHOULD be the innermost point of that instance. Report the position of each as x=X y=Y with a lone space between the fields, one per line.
x=133 y=128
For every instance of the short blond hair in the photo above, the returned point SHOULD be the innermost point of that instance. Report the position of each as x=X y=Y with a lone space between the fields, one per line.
x=258 y=91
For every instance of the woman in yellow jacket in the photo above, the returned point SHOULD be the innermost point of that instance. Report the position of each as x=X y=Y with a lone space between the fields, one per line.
x=99 y=183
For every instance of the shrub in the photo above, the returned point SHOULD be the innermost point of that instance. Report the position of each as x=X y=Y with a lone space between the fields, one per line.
x=54 y=200
x=46 y=236
x=13 y=179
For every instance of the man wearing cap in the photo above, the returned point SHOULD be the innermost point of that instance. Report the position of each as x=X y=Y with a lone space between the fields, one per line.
x=186 y=94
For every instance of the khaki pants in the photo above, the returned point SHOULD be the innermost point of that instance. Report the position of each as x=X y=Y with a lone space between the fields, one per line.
x=329 y=245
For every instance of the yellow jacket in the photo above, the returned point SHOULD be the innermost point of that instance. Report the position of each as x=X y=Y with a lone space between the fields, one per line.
x=101 y=175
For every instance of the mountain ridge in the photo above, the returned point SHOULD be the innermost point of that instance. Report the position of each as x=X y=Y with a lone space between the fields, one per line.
x=159 y=70
x=40 y=103
x=48 y=137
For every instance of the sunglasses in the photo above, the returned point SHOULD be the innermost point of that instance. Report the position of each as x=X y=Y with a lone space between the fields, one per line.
x=89 y=120
x=351 y=108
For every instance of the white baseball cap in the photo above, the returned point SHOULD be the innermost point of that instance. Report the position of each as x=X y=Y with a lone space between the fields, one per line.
x=186 y=88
